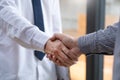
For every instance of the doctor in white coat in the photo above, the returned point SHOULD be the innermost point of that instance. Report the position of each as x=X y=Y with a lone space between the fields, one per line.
x=19 y=38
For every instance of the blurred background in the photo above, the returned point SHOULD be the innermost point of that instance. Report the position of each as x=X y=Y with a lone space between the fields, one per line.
x=74 y=20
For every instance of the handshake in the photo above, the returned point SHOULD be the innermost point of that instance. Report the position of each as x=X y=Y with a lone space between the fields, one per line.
x=62 y=49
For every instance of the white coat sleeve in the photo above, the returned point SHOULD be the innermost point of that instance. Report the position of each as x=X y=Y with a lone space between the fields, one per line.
x=19 y=28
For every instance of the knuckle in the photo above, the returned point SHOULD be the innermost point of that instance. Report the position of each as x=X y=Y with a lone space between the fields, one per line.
x=59 y=45
x=55 y=50
x=65 y=57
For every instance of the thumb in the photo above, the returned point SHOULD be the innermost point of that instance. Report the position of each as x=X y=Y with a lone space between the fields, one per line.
x=65 y=39
x=57 y=36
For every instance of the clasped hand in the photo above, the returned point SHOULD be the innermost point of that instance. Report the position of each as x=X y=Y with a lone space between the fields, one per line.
x=62 y=50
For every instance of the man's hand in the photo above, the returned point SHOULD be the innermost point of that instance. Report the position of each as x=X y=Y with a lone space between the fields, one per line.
x=71 y=43
x=57 y=48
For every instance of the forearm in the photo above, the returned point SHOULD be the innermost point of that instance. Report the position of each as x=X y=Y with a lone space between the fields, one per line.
x=19 y=28
x=100 y=41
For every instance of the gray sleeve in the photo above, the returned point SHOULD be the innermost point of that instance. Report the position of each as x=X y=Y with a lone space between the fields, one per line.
x=100 y=41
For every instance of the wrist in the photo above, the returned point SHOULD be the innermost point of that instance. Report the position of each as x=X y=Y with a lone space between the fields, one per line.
x=46 y=47
x=76 y=42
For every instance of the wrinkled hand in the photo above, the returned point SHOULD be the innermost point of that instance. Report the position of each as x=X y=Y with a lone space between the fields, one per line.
x=58 y=49
x=71 y=43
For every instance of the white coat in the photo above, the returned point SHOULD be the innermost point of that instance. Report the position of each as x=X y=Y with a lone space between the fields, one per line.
x=19 y=38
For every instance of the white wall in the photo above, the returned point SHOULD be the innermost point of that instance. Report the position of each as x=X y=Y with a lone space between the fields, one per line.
x=70 y=10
